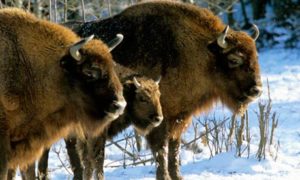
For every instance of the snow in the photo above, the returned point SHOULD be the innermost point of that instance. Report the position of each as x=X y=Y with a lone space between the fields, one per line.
x=281 y=67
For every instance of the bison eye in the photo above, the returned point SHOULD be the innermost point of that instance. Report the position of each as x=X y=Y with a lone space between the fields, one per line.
x=105 y=76
x=91 y=73
x=142 y=99
x=234 y=61
x=233 y=64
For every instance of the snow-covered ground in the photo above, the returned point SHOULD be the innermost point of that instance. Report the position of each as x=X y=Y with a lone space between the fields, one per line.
x=282 y=69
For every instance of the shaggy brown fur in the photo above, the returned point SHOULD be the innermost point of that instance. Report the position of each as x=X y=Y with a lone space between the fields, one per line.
x=179 y=41
x=44 y=91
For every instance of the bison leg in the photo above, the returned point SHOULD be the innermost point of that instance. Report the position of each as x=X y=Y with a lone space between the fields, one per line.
x=173 y=159
x=158 y=141
x=82 y=148
x=43 y=166
x=138 y=140
x=4 y=146
x=29 y=173
x=98 y=151
x=74 y=158
x=11 y=175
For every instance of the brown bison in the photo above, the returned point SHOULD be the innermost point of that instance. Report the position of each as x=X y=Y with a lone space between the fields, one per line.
x=201 y=60
x=143 y=111
x=51 y=82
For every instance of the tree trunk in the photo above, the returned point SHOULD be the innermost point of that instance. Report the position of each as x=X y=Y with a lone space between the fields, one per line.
x=50 y=10
x=65 y=11
x=19 y=3
x=36 y=8
x=108 y=7
x=259 y=8
x=230 y=17
x=246 y=20
x=83 y=10
x=55 y=11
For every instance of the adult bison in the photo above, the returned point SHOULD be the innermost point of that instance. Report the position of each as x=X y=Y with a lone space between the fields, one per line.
x=201 y=60
x=51 y=82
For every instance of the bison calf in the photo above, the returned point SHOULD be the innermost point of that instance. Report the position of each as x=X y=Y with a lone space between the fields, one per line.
x=51 y=82
x=143 y=111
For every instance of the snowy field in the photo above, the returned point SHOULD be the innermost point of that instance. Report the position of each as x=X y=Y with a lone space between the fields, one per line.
x=282 y=69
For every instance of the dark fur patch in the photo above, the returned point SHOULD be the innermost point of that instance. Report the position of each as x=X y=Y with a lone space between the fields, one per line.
x=144 y=35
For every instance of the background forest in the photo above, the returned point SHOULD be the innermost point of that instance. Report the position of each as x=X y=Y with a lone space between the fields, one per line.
x=276 y=19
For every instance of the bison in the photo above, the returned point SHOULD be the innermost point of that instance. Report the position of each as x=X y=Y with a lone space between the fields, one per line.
x=201 y=61
x=51 y=82
x=143 y=111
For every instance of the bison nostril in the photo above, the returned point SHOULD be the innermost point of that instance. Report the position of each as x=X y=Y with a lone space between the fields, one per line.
x=156 y=118
x=255 y=91
x=118 y=106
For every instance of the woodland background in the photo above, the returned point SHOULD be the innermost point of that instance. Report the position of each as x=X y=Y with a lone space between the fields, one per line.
x=275 y=18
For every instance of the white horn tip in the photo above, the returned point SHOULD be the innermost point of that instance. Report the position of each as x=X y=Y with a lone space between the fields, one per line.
x=115 y=42
x=226 y=29
x=120 y=36
x=90 y=37
x=136 y=83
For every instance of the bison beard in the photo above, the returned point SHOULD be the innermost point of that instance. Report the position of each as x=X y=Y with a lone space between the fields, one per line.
x=51 y=82
x=202 y=61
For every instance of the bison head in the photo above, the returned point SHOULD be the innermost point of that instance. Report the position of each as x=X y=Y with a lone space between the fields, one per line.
x=236 y=71
x=144 y=106
x=89 y=68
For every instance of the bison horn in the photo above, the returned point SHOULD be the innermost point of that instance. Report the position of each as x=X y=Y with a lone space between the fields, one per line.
x=256 y=32
x=136 y=83
x=158 y=80
x=74 y=49
x=221 y=39
x=115 y=42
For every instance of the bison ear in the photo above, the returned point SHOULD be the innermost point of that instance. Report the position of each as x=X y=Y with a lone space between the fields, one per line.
x=115 y=42
x=68 y=63
x=129 y=90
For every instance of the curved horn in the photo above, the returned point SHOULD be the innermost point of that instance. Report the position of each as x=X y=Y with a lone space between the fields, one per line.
x=221 y=39
x=158 y=80
x=136 y=83
x=115 y=42
x=256 y=32
x=74 y=49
